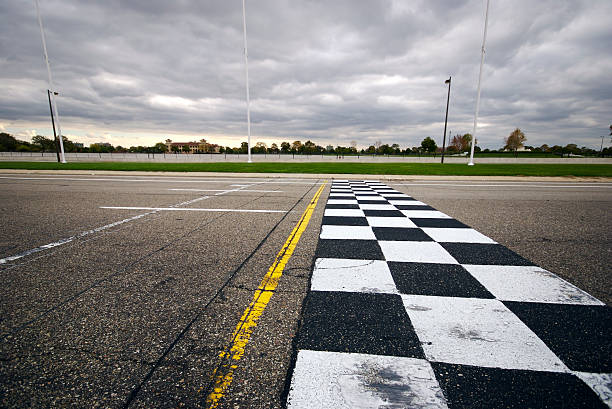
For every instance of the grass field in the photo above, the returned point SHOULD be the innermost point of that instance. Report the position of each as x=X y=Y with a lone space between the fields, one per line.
x=488 y=169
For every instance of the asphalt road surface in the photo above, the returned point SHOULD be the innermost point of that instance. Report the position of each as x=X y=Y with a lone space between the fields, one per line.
x=116 y=295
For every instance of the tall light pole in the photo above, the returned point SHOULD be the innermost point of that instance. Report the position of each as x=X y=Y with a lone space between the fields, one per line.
x=51 y=88
x=482 y=56
x=246 y=66
x=448 y=81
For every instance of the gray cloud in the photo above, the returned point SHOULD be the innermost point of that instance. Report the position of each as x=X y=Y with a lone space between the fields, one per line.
x=331 y=71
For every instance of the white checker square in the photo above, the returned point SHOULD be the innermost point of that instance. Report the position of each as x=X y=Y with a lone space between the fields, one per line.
x=341 y=380
x=601 y=383
x=362 y=276
x=344 y=212
x=372 y=197
x=340 y=194
x=377 y=207
x=407 y=202
x=362 y=188
x=416 y=252
x=341 y=201
x=425 y=214
x=347 y=232
x=529 y=284
x=390 y=222
x=391 y=195
x=460 y=235
x=478 y=332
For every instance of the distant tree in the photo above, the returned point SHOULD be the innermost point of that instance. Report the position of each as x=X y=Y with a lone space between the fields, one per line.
x=514 y=141
x=244 y=147
x=371 y=149
x=429 y=145
x=396 y=148
x=159 y=147
x=461 y=143
x=7 y=142
x=260 y=147
x=309 y=147
x=354 y=146
x=174 y=149
x=378 y=144
x=45 y=144
x=296 y=146
x=273 y=148
x=186 y=148
x=285 y=147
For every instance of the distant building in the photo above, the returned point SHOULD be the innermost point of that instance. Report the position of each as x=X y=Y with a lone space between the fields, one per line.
x=194 y=147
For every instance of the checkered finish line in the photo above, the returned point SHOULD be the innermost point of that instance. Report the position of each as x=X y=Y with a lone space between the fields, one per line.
x=410 y=308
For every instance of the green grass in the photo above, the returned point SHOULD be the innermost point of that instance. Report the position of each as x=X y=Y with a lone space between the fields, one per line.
x=488 y=169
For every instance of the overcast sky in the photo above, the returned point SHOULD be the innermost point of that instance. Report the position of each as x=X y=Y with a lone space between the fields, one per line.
x=135 y=72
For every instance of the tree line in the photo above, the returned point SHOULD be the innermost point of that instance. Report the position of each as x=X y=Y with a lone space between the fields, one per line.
x=458 y=144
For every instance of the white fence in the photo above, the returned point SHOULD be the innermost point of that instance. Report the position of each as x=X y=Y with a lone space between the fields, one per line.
x=220 y=157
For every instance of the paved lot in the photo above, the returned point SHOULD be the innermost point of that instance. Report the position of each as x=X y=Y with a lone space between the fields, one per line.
x=136 y=313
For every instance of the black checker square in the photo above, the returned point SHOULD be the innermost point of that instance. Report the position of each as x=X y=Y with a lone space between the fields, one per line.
x=383 y=213
x=345 y=221
x=489 y=254
x=343 y=196
x=400 y=234
x=443 y=280
x=580 y=335
x=342 y=206
x=478 y=387
x=358 y=322
x=446 y=223
x=399 y=198
x=351 y=249
x=413 y=207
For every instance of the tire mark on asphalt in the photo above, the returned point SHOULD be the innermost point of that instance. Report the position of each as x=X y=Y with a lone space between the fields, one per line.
x=134 y=393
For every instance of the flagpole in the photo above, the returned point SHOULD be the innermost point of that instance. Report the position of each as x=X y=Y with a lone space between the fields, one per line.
x=246 y=66
x=51 y=87
x=482 y=56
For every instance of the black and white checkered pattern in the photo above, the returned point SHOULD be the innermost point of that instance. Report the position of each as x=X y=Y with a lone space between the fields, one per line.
x=411 y=308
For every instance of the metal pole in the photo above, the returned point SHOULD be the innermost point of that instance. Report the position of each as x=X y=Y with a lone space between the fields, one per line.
x=44 y=43
x=57 y=151
x=446 y=119
x=482 y=56
x=601 y=148
x=246 y=66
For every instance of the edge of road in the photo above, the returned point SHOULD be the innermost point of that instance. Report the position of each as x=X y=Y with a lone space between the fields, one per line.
x=313 y=175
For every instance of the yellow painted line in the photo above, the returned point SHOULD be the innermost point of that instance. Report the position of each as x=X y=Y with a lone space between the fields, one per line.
x=224 y=373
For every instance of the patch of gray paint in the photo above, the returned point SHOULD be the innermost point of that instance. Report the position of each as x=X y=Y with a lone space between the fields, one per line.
x=470 y=334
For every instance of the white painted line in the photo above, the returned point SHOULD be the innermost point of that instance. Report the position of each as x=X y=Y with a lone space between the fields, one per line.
x=323 y=380
x=98 y=229
x=361 y=276
x=71 y=238
x=192 y=209
x=529 y=284
x=341 y=201
x=478 y=332
x=162 y=180
x=230 y=190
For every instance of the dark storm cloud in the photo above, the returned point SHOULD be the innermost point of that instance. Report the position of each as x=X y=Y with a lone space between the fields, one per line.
x=332 y=71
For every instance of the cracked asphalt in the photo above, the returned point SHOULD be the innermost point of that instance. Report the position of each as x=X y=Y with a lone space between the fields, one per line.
x=136 y=314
